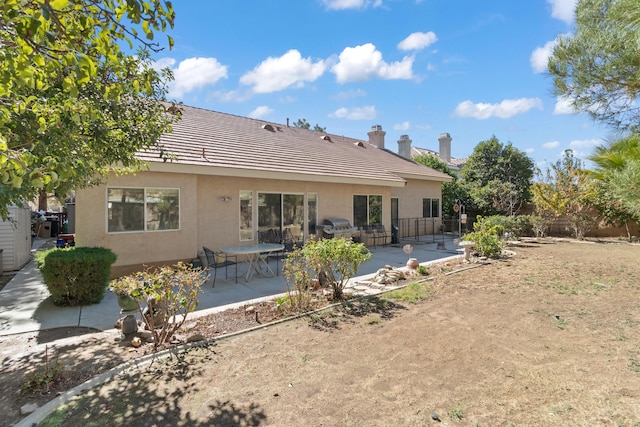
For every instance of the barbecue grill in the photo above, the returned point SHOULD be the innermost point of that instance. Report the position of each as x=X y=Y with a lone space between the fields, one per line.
x=337 y=227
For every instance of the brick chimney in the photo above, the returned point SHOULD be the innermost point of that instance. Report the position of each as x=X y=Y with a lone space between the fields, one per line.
x=376 y=136
x=445 y=147
x=404 y=146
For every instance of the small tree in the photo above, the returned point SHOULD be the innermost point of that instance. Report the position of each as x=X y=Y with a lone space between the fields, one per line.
x=497 y=177
x=566 y=190
x=298 y=272
x=334 y=261
x=540 y=224
x=164 y=297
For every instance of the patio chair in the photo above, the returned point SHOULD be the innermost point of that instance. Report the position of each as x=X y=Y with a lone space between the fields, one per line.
x=370 y=233
x=271 y=236
x=380 y=234
x=216 y=260
x=289 y=240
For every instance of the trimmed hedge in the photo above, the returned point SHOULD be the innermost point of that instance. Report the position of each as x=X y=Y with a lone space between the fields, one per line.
x=76 y=275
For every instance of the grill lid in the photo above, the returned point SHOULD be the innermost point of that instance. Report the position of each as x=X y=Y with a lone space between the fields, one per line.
x=337 y=223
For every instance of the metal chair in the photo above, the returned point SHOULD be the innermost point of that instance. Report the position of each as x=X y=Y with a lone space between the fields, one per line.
x=216 y=260
x=271 y=236
x=380 y=234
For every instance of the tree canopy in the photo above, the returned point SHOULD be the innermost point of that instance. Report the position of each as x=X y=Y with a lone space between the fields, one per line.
x=566 y=189
x=73 y=103
x=304 y=124
x=497 y=178
x=597 y=69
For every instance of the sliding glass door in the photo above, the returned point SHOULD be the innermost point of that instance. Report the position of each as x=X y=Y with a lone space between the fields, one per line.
x=283 y=213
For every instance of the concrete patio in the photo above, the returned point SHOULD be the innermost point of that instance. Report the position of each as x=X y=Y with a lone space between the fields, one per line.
x=25 y=305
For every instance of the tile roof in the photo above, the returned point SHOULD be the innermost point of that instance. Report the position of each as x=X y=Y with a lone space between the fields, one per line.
x=216 y=143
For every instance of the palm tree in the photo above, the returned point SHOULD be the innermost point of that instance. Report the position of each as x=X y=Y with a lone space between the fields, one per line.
x=618 y=174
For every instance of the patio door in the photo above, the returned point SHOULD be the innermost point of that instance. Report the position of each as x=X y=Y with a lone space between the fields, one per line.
x=280 y=212
x=394 y=211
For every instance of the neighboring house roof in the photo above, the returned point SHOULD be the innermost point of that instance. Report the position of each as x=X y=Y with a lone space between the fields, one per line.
x=209 y=142
x=453 y=163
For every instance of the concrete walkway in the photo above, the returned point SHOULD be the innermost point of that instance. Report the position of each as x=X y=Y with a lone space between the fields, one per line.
x=25 y=303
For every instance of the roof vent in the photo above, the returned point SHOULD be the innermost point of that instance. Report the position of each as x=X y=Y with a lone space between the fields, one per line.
x=359 y=144
x=268 y=127
x=326 y=138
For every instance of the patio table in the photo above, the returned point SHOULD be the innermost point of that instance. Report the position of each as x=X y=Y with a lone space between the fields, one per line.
x=254 y=258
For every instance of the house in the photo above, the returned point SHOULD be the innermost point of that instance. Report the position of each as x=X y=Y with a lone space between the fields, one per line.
x=444 y=154
x=229 y=177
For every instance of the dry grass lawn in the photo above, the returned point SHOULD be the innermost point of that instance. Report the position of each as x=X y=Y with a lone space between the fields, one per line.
x=550 y=336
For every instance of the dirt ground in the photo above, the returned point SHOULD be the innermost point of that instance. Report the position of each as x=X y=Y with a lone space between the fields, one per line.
x=549 y=336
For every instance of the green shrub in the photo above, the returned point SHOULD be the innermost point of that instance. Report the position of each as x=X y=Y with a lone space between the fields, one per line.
x=540 y=225
x=333 y=261
x=510 y=227
x=76 y=275
x=298 y=273
x=486 y=237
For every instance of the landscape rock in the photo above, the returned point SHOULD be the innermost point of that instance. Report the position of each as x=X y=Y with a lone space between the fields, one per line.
x=196 y=338
x=28 y=408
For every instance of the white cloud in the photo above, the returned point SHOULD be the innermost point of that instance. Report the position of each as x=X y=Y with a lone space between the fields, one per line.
x=540 y=57
x=551 y=144
x=583 y=148
x=504 y=110
x=231 y=96
x=563 y=10
x=192 y=74
x=260 y=112
x=358 y=113
x=579 y=144
x=275 y=74
x=418 y=41
x=404 y=126
x=349 y=94
x=529 y=150
x=351 y=4
x=361 y=63
x=563 y=106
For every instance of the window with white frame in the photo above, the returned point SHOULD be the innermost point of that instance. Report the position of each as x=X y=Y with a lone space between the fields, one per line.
x=367 y=210
x=142 y=209
x=430 y=208
x=246 y=215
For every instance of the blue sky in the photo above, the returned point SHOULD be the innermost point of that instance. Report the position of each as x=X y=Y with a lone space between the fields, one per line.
x=471 y=68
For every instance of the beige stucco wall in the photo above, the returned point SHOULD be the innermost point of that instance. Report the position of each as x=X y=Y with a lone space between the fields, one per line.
x=206 y=220
x=410 y=196
x=136 y=248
